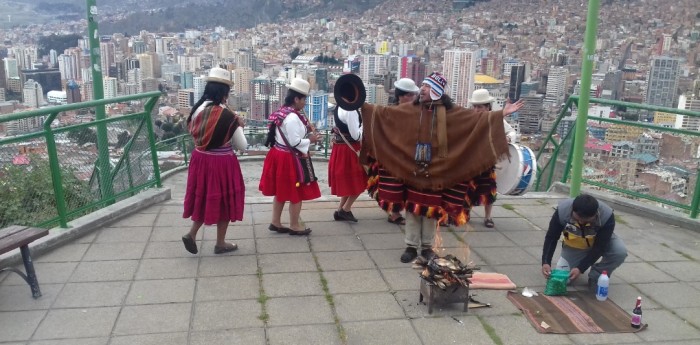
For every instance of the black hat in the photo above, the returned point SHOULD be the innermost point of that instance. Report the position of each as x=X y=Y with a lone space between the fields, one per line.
x=349 y=92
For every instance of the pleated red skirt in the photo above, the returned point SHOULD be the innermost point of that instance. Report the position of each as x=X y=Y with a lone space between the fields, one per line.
x=279 y=179
x=346 y=177
x=215 y=189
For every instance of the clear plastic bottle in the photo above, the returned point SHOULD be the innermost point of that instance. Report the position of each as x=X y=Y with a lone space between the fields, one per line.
x=601 y=292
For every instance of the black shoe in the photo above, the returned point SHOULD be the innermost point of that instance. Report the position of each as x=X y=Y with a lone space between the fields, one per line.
x=428 y=253
x=336 y=216
x=408 y=255
x=346 y=215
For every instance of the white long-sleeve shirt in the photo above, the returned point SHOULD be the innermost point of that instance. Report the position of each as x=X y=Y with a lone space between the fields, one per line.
x=295 y=131
x=352 y=120
x=510 y=132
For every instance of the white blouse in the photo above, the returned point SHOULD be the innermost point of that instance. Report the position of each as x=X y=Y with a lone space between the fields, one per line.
x=352 y=120
x=295 y=132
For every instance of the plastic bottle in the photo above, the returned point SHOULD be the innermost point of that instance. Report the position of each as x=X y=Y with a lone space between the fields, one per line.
x=637 y=314
x=601 y=292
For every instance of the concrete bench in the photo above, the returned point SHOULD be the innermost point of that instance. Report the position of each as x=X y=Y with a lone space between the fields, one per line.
x=17 y=236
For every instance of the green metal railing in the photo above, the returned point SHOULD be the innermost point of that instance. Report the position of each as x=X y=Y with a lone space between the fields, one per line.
x=78 y=185
x=558 y=168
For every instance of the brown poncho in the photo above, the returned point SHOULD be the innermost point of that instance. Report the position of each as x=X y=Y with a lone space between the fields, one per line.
x=465 y=142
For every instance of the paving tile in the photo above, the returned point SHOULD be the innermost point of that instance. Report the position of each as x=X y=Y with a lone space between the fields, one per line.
x=289 y=244
x=156 y=318
x=292 y=284
x=625 y=296
x=46 y=272
x=246 y=246
x=169 y=220
x=151 y=339
x=226 y=265
x=92 y=294
x=343 y=261
x=654 y=252
x=235 y=232
x=526 y=238
x=405 y=278
x=19 y=325
x=65 y=253
x=516 y=329
x=91 y=271
x=227 y=288
x=377 y=226
x=174 y=233
x=448 y=331
x=641 y=272
x=335 y=243
x=383 y=241
x=505 y=255
x=246 y=336
x=683 y=271
x=367 y=306
x=167 y=268
x=387 y=258
x=541 y=223
x=672 y=295
x=605 y=338
x=161 y=291
x=285 y=311
x=19 y=297
x=355 y=281
x=304 y=334
x=138 y=219
x=381 y=332
x=523 y=275
x=291 y=262
x=487 y=239
x=224 y=315
x=115 y=251
x=77 y=323
x=138 y=234
x=664 y=326
x=508 y=224
x=165 y=250
x=82 y=341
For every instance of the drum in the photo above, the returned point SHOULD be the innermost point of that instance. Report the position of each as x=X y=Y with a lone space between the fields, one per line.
x=517 y=175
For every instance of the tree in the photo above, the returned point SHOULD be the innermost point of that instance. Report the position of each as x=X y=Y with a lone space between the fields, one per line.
x=28 y=194
x=167 y=127
x=123 y=139
x=59 y=43
x=83 y=135
x=294 y=53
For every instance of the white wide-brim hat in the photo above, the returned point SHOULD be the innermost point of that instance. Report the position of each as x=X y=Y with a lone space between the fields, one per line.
x=481 y=96
x=300 y=85
x=406 y=84
x=219 y=75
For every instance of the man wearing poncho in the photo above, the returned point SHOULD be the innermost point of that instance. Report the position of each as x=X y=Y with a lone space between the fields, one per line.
x=430 y=150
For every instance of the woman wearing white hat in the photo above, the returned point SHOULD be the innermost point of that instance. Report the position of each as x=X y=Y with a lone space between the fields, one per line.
x=288 y=140
x=215 y=187
x=482 y=189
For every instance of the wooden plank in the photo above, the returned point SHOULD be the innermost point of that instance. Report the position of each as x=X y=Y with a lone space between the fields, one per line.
x=11 y=230
x=20 y=238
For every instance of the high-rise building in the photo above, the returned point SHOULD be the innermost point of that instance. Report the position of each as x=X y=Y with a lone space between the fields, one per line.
x=185 y=98
x=107 y=56
x=376 y=94
x=241 y=80
x=49 y=78
x=316 y=109
x=508 y=67
x=11 y=68
x=198 y=84
x=73 y=92
x=459 y=68
x=517 y=77
x=259 y=99
x=529 y=87
x=531 y=114
x=110 y=87
x=3 y=74
x=688 y=102
x=321 y=75
x=557 y=82
x=662 y=81
x=32 y=94
x=371 y=65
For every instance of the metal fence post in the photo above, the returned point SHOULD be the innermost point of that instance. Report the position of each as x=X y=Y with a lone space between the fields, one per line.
x=56 y=176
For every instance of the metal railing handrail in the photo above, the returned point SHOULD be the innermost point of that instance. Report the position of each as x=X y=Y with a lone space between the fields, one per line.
x=694 y=206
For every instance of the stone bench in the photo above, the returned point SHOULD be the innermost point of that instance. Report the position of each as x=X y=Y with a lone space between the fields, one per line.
x=17 y=236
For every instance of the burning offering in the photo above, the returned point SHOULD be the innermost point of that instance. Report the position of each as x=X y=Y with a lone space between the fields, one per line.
x=444 y=280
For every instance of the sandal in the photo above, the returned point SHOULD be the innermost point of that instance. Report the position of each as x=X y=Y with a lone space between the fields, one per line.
x=280 y=229
x=190 y=244
x=400 y=220
x=229 y=247
x=488 y=222
x=300 y=232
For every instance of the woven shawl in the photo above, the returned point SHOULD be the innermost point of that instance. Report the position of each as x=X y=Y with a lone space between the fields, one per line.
x=475 y=141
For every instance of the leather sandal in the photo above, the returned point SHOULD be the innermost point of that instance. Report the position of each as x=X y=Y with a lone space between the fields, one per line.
x=190 y=244
x=281 y=229
x=400 y=220
x=300 y=232
x=229 y=247
x=488 y=222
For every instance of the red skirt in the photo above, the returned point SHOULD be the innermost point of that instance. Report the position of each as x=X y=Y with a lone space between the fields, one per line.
x=215 y=190
x=279 y=179
x=346 y=177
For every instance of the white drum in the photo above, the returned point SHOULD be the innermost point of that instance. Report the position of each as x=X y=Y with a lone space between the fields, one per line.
x=517 y=175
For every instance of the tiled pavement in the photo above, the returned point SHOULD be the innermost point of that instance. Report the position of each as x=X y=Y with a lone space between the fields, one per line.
x=132 y=282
